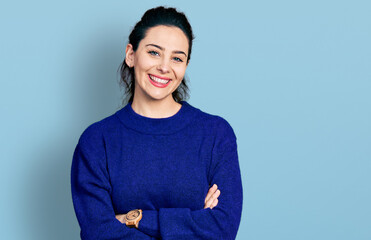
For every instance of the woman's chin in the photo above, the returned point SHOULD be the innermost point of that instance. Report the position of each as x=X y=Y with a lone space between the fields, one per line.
x=160 y=96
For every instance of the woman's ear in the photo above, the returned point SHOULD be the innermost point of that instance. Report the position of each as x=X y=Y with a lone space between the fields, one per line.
x=129 y=58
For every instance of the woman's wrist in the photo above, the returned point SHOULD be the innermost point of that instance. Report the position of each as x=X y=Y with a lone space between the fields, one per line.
x=133 y=217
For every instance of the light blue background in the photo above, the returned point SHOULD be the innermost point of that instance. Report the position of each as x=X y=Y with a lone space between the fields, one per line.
x=293 y=78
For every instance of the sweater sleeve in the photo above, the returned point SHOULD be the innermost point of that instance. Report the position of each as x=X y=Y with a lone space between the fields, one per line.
x=91 y=189
x=221 y=222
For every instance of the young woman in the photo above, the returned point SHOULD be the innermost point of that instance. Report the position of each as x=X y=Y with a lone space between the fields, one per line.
x=158 y=168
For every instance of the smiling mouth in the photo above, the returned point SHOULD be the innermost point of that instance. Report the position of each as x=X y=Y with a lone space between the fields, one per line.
x=159 y=82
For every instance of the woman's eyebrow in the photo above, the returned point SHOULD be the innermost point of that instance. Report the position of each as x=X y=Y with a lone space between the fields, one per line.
x=180 y=52
x=161 y=48
x=154 y=45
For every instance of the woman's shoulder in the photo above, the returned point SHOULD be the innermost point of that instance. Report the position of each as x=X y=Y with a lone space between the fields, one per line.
x=214 y=123
x=98 y=129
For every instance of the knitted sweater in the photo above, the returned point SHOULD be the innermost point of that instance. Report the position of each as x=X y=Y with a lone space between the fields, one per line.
x=164 y=167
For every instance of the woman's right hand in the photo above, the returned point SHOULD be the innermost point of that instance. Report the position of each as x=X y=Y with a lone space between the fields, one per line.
x=211 y=199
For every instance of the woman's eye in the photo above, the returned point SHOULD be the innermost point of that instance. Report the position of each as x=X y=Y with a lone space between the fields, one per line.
x=154 y=53
x=177 y=59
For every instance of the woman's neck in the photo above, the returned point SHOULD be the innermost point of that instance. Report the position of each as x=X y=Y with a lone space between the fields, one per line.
x=156 y=108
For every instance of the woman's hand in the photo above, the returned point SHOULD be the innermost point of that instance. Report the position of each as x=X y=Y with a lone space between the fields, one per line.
x=211 y=199
x=121 y=218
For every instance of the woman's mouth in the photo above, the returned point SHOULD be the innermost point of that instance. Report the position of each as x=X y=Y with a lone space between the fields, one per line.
x=159 y=82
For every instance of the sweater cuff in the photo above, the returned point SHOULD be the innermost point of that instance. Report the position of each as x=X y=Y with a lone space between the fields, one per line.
x=149 y=223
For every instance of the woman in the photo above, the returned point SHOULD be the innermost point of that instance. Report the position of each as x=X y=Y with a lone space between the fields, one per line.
x=158 y=168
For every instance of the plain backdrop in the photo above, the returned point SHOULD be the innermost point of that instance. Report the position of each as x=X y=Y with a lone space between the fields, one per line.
x=292 y=77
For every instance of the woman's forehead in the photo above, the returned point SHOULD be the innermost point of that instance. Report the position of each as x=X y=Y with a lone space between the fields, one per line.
x=167 y=37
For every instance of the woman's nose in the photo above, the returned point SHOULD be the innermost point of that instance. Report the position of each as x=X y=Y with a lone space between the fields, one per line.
x=163 y=66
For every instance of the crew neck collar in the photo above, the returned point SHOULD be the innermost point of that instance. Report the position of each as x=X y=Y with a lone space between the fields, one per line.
x=147 y=125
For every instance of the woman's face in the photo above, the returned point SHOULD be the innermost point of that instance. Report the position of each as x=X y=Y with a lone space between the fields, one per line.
x=159 y=62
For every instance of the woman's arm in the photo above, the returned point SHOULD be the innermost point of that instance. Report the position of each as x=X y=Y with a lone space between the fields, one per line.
x=91 y=192
x=211 y=200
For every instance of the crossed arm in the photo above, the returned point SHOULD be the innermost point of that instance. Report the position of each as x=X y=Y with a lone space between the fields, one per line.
x=211 y=200
x=91 y=189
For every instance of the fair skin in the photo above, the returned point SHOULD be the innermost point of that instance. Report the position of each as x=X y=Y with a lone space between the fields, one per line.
x=161 y=54
x=160 y=62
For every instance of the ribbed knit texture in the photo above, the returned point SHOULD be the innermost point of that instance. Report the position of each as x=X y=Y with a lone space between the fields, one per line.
x=164 y=167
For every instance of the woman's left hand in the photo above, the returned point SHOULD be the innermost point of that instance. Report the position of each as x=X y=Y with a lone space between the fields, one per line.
x=121 y=218
x=211 y=199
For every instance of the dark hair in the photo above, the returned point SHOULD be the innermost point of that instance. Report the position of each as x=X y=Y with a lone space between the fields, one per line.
x=152 y=18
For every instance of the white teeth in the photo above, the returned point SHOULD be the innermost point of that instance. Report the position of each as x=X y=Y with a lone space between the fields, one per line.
x=159 y=80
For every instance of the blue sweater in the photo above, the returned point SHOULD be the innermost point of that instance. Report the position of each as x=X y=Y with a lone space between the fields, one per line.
x=162 y=166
